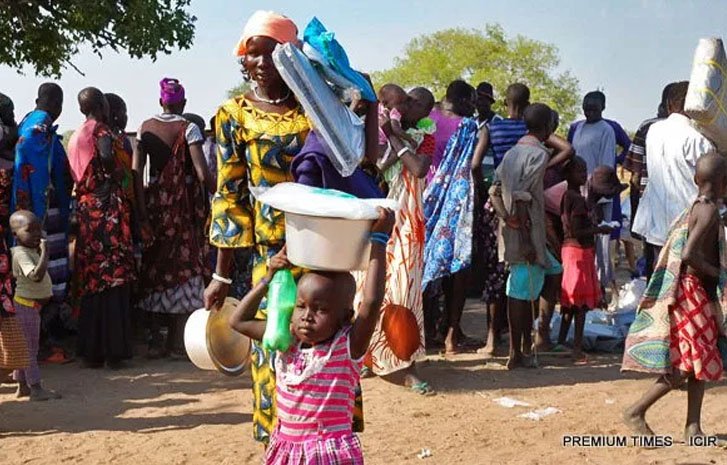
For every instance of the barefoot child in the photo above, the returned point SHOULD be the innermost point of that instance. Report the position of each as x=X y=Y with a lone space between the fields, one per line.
x=33 y=290
x=517 y=197
x=580 y=289
x=316 y=377
x=680 y=317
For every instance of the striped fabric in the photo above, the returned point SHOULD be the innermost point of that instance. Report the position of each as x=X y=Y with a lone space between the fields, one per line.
x=504 y=134
x=315 y=396
x=182 y=299
x=58 y=266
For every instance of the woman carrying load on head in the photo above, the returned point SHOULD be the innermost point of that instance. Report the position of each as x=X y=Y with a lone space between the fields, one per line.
x=258 y=134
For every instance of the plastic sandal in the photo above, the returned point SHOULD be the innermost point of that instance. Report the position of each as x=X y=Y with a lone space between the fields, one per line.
x=423 y=389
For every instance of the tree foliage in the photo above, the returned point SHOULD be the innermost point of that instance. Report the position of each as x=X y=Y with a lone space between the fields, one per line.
x=239 y=89
x=434 y=60
x=46 y=34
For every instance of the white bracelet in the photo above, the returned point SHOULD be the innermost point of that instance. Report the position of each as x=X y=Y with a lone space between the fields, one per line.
x=219 y=278
x=402 y=152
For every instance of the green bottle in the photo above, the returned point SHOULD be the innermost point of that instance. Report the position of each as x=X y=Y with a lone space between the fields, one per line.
x=281 y=302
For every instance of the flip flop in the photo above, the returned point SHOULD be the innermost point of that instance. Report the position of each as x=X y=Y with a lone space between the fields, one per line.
x=423 y=389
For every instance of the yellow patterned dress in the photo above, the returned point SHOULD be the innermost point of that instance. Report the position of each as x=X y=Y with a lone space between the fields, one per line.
x=254 y=148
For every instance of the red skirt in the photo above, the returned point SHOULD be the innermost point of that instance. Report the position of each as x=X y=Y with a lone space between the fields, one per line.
x=580 y=286
x=694 y=332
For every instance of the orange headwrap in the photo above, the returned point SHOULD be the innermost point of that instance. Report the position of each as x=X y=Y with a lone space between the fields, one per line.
x=267 y=24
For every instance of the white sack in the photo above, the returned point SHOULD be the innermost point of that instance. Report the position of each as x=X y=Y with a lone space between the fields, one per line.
x=706 y=101
x=315 y=201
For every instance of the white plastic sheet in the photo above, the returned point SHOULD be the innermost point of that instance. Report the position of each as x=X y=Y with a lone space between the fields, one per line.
x=706 y=101
x=509 y=402
x=313 y=201
x=539 y=414
x=341 y=131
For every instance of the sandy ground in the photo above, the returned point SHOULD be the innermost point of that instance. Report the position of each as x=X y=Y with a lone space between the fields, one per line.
x=167 y=412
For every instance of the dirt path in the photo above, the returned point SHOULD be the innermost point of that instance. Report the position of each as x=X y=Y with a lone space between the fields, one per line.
x=172 y=413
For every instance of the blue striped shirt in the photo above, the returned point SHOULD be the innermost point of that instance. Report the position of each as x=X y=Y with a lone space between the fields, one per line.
x=504 y=134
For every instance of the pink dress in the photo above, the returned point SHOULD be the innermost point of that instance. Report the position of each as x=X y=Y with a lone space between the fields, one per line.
x=315 y=393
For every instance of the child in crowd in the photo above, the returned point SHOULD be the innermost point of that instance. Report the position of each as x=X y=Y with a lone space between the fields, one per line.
x=418 y=106
x=316 y=377
x=602 y=187
x=33 y=290
x=517 y=197
x=680 y=318
x=580 y=289
x=394 y=103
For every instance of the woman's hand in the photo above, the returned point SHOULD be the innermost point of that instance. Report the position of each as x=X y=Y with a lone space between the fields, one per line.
x=385 y=223
x=215 y=294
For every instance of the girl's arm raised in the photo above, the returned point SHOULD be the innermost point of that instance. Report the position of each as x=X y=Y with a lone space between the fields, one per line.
x=243 y=319
x=375 y=286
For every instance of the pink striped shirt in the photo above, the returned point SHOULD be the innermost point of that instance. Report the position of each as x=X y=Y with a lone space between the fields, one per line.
x=316 y=403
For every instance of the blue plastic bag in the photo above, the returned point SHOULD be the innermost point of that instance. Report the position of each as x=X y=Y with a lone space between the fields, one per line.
x=326 y=44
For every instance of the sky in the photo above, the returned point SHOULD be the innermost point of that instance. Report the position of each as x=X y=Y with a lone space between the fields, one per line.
x=628 y=48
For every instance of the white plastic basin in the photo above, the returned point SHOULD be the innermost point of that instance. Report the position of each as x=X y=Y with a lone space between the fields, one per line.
x=328 y=244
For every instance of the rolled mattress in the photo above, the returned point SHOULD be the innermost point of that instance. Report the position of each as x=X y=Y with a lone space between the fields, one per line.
x=706 y=101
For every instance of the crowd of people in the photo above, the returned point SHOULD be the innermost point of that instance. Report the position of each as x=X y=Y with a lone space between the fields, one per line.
x=138 y=232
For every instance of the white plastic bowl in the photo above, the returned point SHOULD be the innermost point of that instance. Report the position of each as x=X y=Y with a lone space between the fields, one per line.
x=328 y=244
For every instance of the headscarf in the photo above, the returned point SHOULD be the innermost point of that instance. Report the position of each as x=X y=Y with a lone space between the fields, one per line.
x=171 y=91
x=81 y=149
x=268 y=24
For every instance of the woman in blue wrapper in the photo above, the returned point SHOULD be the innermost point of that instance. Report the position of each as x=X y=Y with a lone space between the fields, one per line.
x=41 y=181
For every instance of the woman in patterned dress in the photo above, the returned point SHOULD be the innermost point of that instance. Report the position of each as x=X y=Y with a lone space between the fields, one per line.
x=398 y=341
x=172 y=212
x=258 y=134
x=104 y=260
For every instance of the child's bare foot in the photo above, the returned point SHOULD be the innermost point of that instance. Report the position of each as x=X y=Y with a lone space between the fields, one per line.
x=40 y=394
x=488 y=350
x=637 y=422
x=450 y=347
x=23 y=390
x=693 y=430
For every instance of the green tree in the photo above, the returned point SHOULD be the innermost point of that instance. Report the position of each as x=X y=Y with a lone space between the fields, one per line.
x=46 y=34
x=66 y=138
x=434 y=60
x=239 y=89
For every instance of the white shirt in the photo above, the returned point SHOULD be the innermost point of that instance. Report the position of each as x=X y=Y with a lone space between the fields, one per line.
x=673 y=147
x=193 y=133
x=596 y=144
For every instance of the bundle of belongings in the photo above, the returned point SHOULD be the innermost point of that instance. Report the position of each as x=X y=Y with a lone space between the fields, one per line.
x=323 y=82
x=706 y=102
